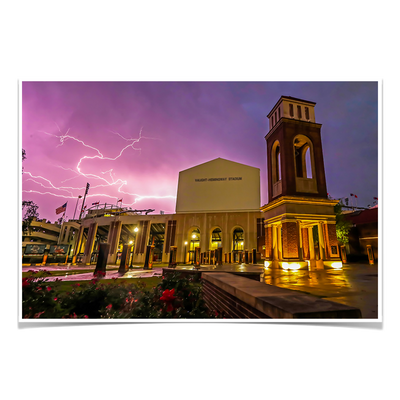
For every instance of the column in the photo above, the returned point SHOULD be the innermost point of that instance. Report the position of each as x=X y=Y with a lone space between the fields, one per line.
x=90 y=243
x=275 y=239
x=279 y=240
x=301 y=252
x=78 y=244
x=268 y=243
x=311 y=247
x=113 y=240
x=321 y=241
x=305 y=243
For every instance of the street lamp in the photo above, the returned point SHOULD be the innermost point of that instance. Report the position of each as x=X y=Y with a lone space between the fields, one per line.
x=193 y=237
x=131 y=242
x=184 y=260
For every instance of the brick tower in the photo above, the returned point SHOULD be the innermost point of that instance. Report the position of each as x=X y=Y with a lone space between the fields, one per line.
x=300 y=227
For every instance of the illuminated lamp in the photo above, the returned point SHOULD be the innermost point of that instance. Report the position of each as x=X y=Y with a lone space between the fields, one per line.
x=291 y=266
x=266 y=264
x=337 y=265
x=194 y=236
x=130 y=242
x=136 y=229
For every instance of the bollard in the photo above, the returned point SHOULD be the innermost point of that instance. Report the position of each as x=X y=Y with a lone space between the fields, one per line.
x=124 y=264
x=148 y=262
x=172 y=257
x=101 y=265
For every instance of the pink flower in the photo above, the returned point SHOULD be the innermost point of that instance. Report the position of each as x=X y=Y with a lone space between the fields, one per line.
x=85 y=316
x=48 y=288
x=55 y=298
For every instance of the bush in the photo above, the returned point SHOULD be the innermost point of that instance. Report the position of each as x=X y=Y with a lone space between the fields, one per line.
x=174 y=297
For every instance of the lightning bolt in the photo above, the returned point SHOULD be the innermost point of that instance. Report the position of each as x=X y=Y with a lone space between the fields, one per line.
x=78 y=171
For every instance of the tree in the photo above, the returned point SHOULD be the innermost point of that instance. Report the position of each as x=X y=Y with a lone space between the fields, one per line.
x=23 y=158
x=30 y=209
x=343 y=226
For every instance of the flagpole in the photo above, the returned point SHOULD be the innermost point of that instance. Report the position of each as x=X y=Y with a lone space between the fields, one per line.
x=62 y=224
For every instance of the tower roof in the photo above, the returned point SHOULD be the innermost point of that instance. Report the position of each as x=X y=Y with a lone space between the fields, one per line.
x=289 y=98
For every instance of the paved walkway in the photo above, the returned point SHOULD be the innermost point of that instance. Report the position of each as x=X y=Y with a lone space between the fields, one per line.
x=71 y=273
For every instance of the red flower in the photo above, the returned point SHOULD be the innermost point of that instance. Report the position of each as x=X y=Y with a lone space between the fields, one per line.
x=25 y=282
x=109 y=307
x=55 y=298
x=85 y=316
x=48 y=288
x=168 y=297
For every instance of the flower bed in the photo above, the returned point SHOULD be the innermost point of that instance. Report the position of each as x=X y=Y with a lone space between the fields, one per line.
x=175 y=297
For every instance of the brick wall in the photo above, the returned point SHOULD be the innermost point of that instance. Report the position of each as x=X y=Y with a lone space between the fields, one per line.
x=268 y=243
x=290 y=243
x=230 y=306
x=331 y=230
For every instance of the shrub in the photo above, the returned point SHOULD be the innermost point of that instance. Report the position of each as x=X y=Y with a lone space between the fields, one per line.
x=174 y=297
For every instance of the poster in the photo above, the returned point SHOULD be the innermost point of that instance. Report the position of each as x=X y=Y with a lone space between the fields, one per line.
x=59 y=249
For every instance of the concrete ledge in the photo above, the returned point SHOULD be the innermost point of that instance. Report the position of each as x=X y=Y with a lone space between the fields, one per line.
x=197 y=273
x=275 y=302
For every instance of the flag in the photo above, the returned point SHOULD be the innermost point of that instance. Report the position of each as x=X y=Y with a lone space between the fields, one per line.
x=95 y=204
x=79 y=197
x=119 y=201
x=355 y=196
x=61 y=209
x=351 y=194
x=375 y=198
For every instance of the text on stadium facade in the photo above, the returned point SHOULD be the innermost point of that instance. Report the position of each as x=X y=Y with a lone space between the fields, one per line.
x=232 y=178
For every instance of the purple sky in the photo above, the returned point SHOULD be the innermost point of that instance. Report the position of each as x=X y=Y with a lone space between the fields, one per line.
x=182 y=124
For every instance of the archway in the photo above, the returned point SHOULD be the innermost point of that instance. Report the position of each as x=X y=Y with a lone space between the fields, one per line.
x=215 y=238
x=237 y=242
x=304 y=157
x=194 y=242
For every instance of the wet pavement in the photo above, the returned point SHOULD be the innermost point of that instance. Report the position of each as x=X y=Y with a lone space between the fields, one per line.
x=355 y=285
x=71 y=273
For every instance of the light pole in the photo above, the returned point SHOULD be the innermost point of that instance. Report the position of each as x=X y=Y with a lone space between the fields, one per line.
x=193 y=237
x=77 y=201
x=184 y=258
x=136 y=231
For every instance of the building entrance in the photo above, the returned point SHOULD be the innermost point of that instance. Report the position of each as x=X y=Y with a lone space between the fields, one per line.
x=194 y=242
x=238 y=244
x=156 y=238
